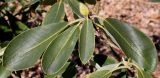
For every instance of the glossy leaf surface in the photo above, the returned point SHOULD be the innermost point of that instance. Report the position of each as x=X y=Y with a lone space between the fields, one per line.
x=134 y=43
x=55 y=14
x=58 y=73
x=74 y=4
x=60 y=50
x=3 y=72
x=99 y=74
x=87 y=41
x=109 y=67
x=110 y=60
x=105 y=71
x=25 y=49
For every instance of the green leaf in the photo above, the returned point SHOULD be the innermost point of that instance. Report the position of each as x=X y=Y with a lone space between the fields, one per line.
x=109 y=67
x=55 y=14
x=134 y=43
x=99 y=74
x=143 y=74
x=58 y=73
x=4 y=73
x=74 y=4
x=25 y=49
x=110 y=60
x=21 y=25
x=87 y=41
x=59 y=51
x=105 y=71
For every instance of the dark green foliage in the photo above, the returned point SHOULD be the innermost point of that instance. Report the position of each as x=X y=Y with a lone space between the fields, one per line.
x=134 y=43
x=55 y=40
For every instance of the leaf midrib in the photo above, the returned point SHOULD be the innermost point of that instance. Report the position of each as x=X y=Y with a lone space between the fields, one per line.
x=62 y=49
x=124 y=40
x=38 y=45
x=58 y=9
x=85 y=37
x=75 y=8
